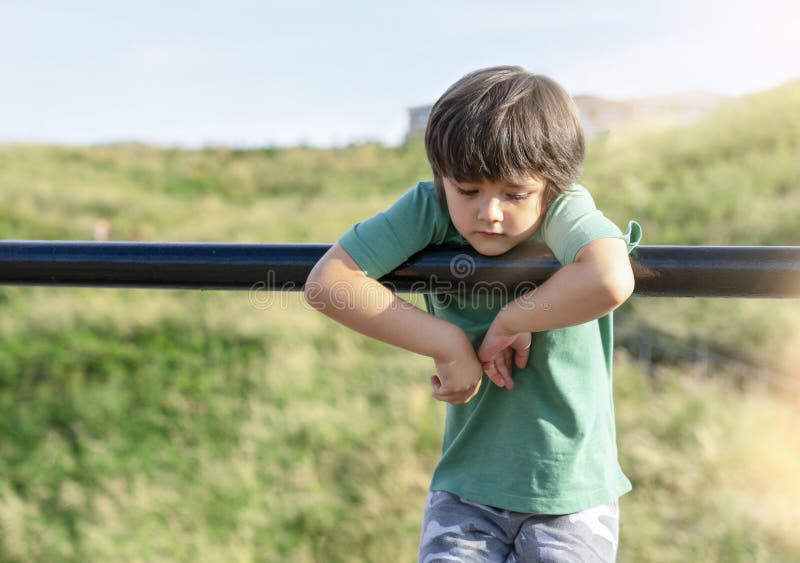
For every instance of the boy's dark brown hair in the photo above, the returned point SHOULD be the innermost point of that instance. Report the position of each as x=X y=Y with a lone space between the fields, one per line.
x=504 y=123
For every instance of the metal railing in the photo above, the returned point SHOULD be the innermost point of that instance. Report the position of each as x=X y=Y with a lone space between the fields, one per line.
x=662 y=271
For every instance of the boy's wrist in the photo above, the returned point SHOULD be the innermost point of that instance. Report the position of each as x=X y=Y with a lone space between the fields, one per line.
x=503 y=321
x=451 y=342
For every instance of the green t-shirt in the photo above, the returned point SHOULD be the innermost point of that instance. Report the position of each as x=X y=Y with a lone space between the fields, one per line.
x=548 y=446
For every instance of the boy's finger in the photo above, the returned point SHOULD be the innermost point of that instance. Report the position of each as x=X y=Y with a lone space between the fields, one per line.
x=499 y=372
x=441 y=394
x=522 y=356
x=440 y=397
x=510 y=383
x=484 y=354
x=504 y=368
x=453 y=398
x=492 y=373
x=509 y=359
x=488 y=350
x=507 y=355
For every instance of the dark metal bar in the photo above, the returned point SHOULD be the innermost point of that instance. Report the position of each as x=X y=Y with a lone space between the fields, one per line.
x=664 y=271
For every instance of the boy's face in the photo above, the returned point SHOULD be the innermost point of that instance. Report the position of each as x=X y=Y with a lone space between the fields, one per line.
x=494 y=217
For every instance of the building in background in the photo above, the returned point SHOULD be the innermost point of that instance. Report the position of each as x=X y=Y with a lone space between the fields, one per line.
x=418 y=120
x=600 y=116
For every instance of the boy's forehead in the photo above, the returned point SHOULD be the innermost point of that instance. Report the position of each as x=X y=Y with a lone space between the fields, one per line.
x=514 y=183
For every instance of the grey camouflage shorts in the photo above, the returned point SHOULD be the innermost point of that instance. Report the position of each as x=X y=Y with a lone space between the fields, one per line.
x=454 y=529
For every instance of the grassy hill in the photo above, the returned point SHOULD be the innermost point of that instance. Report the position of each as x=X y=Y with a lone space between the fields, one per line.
x=731 y=179
x=141 y=425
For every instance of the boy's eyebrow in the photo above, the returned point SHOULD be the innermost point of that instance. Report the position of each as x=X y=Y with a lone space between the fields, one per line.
x=516 y=186
x=523 y=183
x=511 y=185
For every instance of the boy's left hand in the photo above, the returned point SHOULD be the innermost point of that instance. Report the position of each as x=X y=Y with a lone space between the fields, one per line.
x=496 y=351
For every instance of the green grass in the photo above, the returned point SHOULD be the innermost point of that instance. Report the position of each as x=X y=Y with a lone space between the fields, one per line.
x=195 y=426
x=198 y=435
x=168 y=425
x=712 y=467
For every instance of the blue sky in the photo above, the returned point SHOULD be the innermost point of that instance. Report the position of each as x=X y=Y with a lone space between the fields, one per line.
x=329 y=73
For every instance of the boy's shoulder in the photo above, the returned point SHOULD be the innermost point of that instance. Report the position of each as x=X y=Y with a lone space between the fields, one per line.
x=576 y=196
x=422 y=198
x=575 y=191
x=428 y=189
x=427 y=197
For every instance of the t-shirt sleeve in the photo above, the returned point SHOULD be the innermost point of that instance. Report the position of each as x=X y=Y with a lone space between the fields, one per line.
x=383 y=242
x=574 y=221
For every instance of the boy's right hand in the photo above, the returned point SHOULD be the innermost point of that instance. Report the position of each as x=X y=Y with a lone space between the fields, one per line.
x=459 y=372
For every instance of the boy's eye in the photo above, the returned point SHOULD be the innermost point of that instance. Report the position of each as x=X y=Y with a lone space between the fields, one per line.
x=514 y=197
x=518 y=197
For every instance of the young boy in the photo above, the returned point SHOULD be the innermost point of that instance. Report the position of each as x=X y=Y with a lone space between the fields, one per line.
x=529 y=468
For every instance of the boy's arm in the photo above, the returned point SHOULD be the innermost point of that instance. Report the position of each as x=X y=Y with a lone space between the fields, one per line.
x=598 y=281
x=340 y=289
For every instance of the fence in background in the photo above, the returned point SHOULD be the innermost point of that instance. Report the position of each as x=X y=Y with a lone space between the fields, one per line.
x=661 y=271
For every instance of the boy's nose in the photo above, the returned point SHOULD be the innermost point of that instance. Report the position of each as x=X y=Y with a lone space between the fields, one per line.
x=490 y=211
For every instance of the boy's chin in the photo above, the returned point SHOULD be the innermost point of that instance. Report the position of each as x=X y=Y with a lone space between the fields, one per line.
x=491 y=249
x=490 y=252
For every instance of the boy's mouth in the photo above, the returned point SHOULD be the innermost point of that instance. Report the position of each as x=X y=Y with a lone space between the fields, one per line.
x=488 y=234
